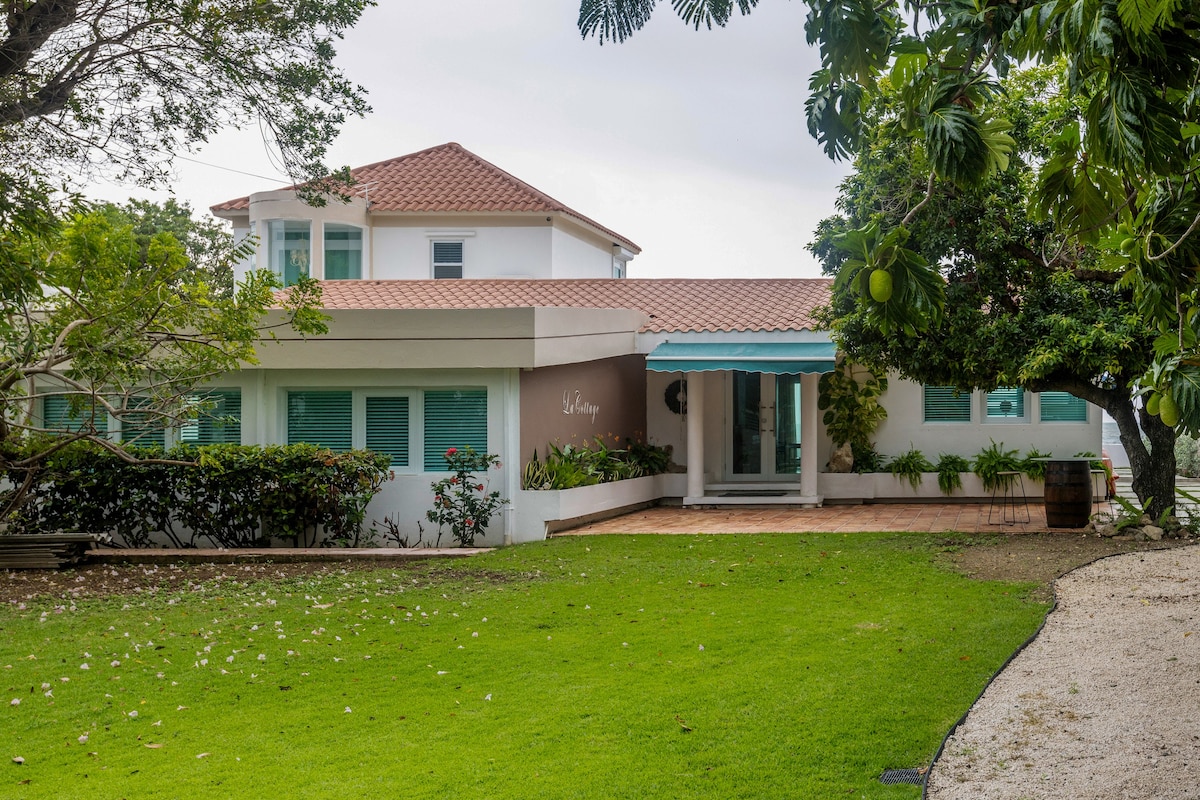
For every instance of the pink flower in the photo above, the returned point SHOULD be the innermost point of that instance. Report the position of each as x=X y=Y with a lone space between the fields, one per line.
x=451 y=451
x=480 y=487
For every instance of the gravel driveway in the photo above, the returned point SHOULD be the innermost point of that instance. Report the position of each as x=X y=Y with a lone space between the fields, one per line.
x=1105 y=703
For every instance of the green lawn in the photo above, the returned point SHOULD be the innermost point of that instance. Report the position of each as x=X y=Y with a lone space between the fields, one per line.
x=752 y=666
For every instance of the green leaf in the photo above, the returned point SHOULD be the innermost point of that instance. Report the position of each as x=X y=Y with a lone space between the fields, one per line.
x=955 y=144
x=1143 y=16
x=1000 y=145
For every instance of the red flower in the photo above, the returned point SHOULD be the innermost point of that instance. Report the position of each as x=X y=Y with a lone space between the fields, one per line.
x=451 y=451
x=453 y=481
x=470 y=522
x=480 y=487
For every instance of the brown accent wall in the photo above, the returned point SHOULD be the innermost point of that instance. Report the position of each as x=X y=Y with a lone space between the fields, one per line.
x=574 y=403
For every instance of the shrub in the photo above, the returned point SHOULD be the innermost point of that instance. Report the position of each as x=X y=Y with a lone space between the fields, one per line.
x=568 y=466
x=1032 y=467
x=910 y=465
x=949 y=469
x=461 y=501
x=1187 y=456
x=229 y=495
x=992 y=461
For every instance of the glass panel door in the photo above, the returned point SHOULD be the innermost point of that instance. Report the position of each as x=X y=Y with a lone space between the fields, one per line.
x=764 y=426
x=787 y=424
x=747 y=424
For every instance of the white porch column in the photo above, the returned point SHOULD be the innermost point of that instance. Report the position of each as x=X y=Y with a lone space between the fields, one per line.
x=695 y=435
x=809 y=434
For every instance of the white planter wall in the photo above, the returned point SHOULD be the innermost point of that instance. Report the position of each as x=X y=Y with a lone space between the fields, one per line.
x=537 y=513
x=885 y=487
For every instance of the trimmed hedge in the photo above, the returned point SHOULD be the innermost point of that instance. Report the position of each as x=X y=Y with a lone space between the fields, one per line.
x=225 y=495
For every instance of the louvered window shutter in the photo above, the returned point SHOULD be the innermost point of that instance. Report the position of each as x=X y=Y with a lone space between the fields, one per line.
x=447 y=260
x=453 y=418
x=56 y=415
x=321 y=418
x=942 y=404
x=387 y=428
x=219 y=423
x=1062 y=407
x=142 y=430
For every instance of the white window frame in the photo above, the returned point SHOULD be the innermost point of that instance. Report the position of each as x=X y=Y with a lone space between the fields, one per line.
x=1023 y=419
x=434 y=263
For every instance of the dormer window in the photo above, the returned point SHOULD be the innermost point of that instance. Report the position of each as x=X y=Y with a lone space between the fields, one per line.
x=343 y=252
x=291 y=245
x=447 y=259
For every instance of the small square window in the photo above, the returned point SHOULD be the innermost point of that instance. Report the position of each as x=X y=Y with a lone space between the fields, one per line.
x=447 y=260
x=1006 y=403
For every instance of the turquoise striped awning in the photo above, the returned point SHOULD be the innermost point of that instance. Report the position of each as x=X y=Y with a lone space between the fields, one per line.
x=779 y=358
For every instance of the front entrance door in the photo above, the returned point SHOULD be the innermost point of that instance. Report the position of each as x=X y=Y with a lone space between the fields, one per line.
x=764 y=426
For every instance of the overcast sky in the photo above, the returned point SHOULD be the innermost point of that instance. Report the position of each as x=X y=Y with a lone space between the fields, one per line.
x=692 y=144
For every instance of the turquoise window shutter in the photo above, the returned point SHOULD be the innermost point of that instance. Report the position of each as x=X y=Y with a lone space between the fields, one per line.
x=143 y=430
x=219 y=423
x=1062 y=407
x=56 y=414
x=321 y=418
x=942 y=404
x=454 y=418
x=1006 y=403
x=387 y=428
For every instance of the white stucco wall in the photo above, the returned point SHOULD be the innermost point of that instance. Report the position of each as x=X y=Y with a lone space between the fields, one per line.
x=514 y=248
x=905 y=427
x=577 y=254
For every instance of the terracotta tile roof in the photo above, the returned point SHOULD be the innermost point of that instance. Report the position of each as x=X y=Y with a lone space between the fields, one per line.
x=673 y=305
x=448 y=179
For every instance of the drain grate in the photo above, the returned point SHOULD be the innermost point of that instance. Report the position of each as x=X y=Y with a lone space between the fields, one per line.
x=913 y=776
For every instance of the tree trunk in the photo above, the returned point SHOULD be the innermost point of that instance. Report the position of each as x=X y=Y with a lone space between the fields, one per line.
x=1154 y=468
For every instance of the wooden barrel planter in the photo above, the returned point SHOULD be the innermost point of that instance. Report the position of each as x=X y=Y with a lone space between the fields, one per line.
x=1068 y=494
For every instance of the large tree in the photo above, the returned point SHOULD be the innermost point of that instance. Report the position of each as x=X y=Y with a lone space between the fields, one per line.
x=1020 y=309
x=121 y=86
x=115 y=329
x=1123 y=175
x=206 y=241
x=123 y=324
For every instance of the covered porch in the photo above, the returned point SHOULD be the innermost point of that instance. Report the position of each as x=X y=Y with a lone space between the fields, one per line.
x=752 y=419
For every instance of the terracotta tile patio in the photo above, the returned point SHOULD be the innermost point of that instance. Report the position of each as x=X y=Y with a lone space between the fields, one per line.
x=932 y=517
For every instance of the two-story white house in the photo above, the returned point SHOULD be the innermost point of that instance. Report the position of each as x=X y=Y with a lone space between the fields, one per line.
x=442 y=213
x=469 y=308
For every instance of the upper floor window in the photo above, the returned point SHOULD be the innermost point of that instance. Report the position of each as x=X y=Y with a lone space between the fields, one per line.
x=343 y=252
x=618 y=270
x=447 y=259
x=290 y=241
x=1062 y=407
x=946 y=404
x=1006 y=403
